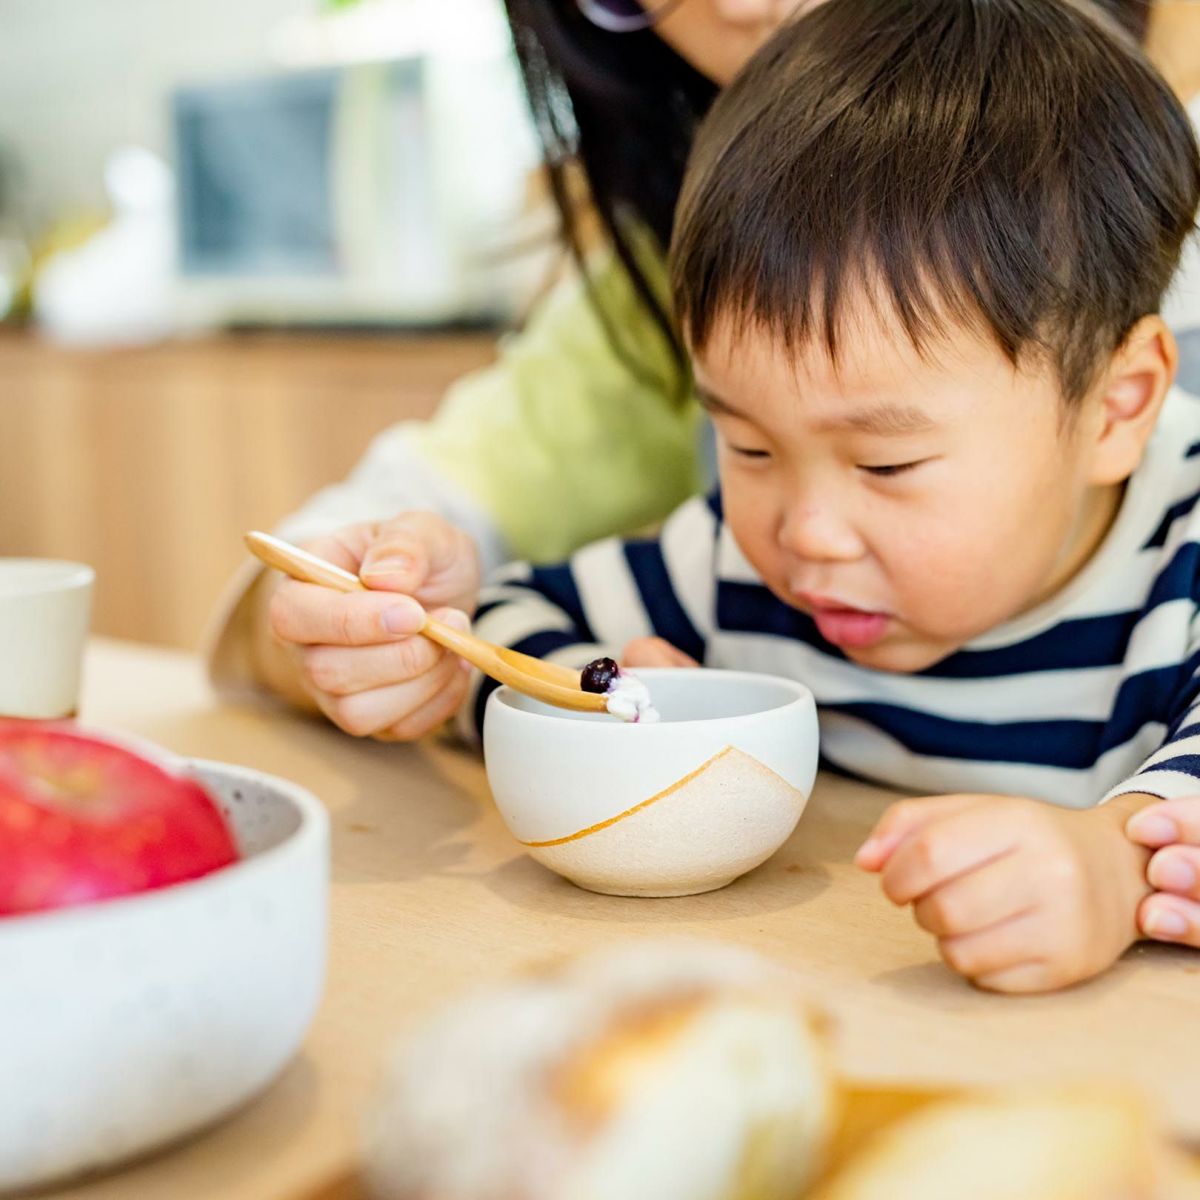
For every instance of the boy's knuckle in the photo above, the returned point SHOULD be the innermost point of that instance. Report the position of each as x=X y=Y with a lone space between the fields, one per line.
x=943 y=914
x=928 y=853
x=958 y=956
x=1057 y=973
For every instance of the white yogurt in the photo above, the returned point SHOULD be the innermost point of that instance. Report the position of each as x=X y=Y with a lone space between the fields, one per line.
x=629 y=699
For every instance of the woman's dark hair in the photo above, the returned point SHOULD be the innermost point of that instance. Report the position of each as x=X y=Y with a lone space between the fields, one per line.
x=1015 y=166
x=626 y=106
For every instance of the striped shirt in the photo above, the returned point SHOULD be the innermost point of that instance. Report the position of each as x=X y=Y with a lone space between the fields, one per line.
x=1094 y=693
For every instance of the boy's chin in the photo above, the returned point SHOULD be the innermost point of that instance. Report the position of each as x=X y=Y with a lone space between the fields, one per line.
x=899 y=655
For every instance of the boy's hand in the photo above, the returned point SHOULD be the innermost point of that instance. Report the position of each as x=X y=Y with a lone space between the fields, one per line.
x=1021 y=896
x=655 y=652
x=1171 y=828
x=357 y=656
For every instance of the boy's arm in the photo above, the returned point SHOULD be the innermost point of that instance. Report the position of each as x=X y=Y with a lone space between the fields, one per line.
x=1173 y=770
x=609 y=594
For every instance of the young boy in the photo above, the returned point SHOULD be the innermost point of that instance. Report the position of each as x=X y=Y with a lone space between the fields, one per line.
x=918 y=261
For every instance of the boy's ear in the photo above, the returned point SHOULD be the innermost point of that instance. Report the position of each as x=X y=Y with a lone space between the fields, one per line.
x=1131 y=397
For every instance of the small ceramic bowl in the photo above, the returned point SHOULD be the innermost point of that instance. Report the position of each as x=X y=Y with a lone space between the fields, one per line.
x=682 y=806
x=128 y=1023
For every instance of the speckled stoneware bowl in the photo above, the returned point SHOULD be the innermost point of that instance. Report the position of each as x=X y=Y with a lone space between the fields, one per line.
x=129 y=1023
x=669 y=809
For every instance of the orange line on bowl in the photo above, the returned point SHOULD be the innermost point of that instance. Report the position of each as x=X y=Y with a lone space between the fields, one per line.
x=574 y=837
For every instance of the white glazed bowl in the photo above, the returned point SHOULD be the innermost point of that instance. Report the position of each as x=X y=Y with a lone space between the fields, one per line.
x=670 y=809
x=128 y=1023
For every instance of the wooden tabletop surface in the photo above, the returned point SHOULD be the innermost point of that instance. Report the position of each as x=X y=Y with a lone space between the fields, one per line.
x=430 y=896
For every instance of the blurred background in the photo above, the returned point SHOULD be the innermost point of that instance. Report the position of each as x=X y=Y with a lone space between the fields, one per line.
x=237 y=239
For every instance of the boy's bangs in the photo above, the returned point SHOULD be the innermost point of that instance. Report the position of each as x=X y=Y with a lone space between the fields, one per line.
x=968 y=162
x=916 y=292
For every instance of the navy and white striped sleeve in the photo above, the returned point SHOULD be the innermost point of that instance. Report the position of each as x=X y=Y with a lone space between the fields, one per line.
x=1173 y=770
x=610 y=593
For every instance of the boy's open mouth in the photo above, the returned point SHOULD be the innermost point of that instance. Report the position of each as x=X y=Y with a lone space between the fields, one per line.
x=841 y=625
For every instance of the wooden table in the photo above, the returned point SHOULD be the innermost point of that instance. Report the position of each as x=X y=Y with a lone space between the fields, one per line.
x=431 y=896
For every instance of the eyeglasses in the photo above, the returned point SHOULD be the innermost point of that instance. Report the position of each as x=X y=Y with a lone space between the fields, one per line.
x=623 y=16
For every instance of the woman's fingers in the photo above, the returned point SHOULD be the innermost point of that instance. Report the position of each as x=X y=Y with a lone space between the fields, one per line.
x=344 y=670
x=434 y=713
x=308 y=614
x=1176 y=869
x=399 y=689
x=1168 y=918
x=1170 y=821
x=364 y=714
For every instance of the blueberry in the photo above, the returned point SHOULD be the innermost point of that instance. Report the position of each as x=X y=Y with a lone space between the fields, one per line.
x=598 y=675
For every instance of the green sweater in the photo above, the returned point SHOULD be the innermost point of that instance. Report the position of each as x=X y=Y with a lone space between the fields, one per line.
x=561 y=442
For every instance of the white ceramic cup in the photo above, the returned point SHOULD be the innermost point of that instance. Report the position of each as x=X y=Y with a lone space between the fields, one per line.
x=45 y=605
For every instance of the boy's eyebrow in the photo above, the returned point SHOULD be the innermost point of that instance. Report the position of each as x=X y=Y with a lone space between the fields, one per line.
x=880 y=419
x=715 y=404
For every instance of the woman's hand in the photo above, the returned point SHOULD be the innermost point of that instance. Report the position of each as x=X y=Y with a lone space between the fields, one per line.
x=357 y=656
x=1021 y=896
x=1171 y=828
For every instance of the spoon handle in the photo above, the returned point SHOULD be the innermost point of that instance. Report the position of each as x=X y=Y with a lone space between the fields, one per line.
x=300 y=564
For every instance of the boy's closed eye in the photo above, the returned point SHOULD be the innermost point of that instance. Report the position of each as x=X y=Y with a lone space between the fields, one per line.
x=883 y=470
x=751 y=452
x=889 y=469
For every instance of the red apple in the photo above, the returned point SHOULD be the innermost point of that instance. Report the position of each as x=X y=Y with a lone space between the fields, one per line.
x=83 y=819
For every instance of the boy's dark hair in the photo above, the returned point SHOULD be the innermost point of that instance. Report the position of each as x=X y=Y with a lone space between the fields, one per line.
x=1014 y=165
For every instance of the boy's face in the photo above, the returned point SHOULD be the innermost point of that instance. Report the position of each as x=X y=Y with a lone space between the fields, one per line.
x=908 y=503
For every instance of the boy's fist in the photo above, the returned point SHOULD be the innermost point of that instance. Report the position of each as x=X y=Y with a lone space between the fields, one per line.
x=1021 y=896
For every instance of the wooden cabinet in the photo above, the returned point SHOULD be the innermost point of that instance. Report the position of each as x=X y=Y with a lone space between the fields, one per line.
x=149 y=463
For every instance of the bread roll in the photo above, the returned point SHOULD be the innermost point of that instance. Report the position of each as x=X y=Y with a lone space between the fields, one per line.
x=1046 y=1144
x=660 y=1071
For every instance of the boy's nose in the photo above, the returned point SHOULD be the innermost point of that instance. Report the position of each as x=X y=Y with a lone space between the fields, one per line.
x=819 y=535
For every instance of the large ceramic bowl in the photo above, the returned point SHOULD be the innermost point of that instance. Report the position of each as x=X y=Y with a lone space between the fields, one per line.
x=128 y=1023
x=668 y=809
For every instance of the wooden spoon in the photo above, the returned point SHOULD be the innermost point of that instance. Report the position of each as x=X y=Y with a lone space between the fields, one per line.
x=548 y=682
